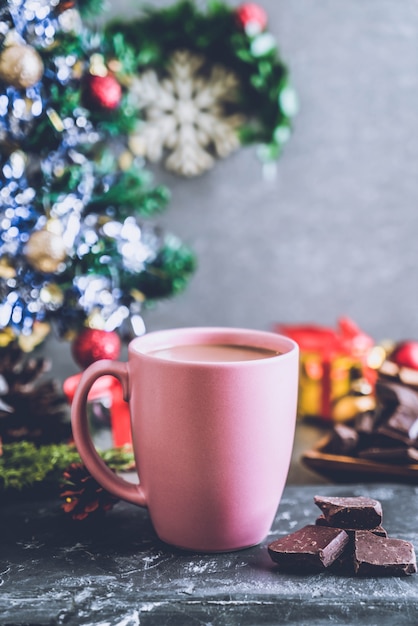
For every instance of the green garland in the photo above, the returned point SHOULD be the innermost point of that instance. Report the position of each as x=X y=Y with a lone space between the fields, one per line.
x=267 y=98
x=24 y=465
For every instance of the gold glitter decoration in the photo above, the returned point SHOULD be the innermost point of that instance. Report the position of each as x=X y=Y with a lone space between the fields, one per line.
x=6 y=337
x=137 y=295
x=20 y=66
x=6 y=269
x=95 y=320
x=97 y=65
x=45 y=251
x=55 y=120
x=125 y=160
x=39 y=333
x=52 y=295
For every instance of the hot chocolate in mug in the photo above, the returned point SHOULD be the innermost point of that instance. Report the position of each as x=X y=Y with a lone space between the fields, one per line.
x=213 y=413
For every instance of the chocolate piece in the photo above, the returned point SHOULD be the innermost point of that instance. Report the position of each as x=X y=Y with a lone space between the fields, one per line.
x=405 y=421
x=343 y=566
x=393 y=425
x=400 y=454
x=367 y=426
x=379 y=530
x=350 y=512
x=394 y=394
x=365 y=422
x=344 y=440
x=381 y=556
x=401 y=425
x=309 y=549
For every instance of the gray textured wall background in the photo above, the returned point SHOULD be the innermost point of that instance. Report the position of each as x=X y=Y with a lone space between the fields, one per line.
x=336 y=231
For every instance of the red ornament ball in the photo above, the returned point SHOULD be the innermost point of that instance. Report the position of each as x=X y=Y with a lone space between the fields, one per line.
x=251 y=17
x=104 y=91
x=405 y=354
x=93 y=344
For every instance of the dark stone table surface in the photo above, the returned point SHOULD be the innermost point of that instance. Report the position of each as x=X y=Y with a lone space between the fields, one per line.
x=117 y=572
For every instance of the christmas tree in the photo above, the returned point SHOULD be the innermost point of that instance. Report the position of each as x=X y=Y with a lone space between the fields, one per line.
x=76 y=247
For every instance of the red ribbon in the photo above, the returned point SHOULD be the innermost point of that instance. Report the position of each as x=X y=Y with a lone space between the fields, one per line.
x=347 y=339
x=106 y=387
x=330 y=343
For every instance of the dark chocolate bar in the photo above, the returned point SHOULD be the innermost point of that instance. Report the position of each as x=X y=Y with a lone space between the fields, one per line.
x=309 y=549
x=344 y=440
x=401 y=425
x=350 y=512
x=365 y=423
x=405 y=420
x=382 y=556
x=379 y=530
x=394 y=394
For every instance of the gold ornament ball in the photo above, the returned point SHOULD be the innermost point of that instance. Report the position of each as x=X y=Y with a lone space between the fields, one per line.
x=20 y=66
x=52 y=295
x=45 y=251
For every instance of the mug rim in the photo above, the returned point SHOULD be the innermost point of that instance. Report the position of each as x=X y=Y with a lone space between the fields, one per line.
x=160 y=340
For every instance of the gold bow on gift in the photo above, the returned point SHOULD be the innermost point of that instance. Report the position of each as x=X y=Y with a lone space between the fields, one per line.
x=336 y=376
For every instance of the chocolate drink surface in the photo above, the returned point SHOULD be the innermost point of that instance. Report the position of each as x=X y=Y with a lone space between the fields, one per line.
x=213 y=353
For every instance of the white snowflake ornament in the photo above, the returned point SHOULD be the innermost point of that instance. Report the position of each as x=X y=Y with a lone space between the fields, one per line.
x=186 y=113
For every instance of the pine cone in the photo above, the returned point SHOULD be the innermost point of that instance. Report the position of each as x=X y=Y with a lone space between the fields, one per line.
x=83 y=496
x=30 y=410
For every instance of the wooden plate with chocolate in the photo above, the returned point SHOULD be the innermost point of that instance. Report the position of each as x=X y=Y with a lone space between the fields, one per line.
x=345 y=468
x=376 y=444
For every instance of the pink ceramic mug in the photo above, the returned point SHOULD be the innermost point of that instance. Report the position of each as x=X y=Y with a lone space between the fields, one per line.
x=213 y=414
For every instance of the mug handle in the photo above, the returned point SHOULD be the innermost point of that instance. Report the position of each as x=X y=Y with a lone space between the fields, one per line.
x=96 y=466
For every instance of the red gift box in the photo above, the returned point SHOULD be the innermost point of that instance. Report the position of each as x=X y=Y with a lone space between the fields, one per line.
x=331 y=359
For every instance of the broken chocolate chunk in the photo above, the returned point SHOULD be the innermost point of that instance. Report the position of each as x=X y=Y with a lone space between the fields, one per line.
x=394 y=394
x=401 y=425
x=350 y=512
x=382 y=556
x=309 y=549
x=345 y=550
x=379 y=530
x=365 y=423
x=405 y=421
x=344 y=440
